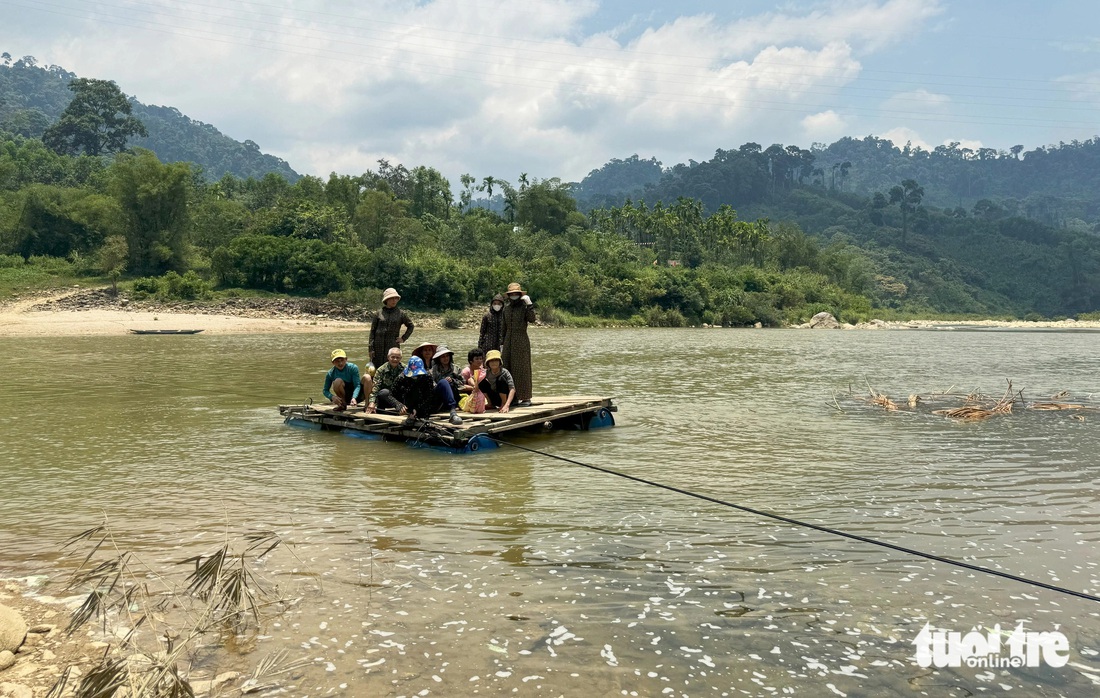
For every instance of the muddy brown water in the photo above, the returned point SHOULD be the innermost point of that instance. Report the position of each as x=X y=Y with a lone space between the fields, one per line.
x=424 y=573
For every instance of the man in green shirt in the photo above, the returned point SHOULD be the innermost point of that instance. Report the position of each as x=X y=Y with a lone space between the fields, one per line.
x=384 y=380
x=342 y=383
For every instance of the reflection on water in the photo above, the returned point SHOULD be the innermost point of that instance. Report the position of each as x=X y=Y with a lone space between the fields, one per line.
x=504 y=570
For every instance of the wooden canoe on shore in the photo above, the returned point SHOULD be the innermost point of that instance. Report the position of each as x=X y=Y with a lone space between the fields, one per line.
x=165 y=331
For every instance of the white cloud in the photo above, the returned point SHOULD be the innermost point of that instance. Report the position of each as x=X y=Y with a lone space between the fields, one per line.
x=916 y=102
x=824 y=126
x=489 y=87
x=1082 y=87
x=902 y=135
x=964 y=143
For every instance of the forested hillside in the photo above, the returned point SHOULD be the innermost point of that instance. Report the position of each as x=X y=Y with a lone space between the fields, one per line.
x=1058 y=185
x=1033 y=252
x=32 y=97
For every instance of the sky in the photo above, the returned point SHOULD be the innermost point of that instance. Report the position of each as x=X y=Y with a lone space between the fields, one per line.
x=556 y=88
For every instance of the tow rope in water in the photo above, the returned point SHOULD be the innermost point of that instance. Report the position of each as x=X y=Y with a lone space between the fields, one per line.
x=806 y=524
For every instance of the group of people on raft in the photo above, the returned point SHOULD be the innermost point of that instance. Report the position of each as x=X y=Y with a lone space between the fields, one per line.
x=497 y=374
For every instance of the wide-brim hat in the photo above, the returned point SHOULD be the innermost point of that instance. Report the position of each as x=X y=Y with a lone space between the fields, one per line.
x=338 y=354
x=390 y=293
x=515 y=288
x=415 y=367
x=441 y=351
x=492 y=354
x=422 y=346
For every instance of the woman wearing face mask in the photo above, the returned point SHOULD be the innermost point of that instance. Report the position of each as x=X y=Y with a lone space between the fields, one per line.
x=518 y=313
x=492 y=326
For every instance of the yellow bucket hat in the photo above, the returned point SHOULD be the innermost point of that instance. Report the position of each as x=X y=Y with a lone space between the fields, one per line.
x=492 y=354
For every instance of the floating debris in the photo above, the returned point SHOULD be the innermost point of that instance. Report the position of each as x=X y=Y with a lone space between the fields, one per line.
x=974 y=406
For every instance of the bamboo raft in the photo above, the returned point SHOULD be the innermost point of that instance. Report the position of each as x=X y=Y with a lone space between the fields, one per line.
x=476 y=432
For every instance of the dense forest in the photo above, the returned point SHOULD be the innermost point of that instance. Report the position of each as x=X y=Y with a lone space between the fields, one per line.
x=32 y=97
x=1058 y=185
x=1029 y=253
x=755 y=235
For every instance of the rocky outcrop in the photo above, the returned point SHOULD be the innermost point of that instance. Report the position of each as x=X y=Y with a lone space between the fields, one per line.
x=824 y=321
x=13 y=630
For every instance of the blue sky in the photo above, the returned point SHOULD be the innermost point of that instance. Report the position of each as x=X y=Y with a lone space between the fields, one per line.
x=557 y=87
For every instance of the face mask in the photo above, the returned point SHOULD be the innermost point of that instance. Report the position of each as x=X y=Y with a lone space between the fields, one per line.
x=497 y=306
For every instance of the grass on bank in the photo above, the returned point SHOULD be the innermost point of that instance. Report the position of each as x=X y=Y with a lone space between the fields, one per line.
x=41 y=274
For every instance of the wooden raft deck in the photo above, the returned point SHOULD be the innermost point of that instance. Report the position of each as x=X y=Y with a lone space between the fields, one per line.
x=476 y=431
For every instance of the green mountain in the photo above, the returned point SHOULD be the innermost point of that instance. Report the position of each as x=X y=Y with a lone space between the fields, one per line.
x=1025 y=237
x=32 y=97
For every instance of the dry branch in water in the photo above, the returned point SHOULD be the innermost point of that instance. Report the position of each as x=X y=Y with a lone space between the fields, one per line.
x=223 y=594
x=970 y=407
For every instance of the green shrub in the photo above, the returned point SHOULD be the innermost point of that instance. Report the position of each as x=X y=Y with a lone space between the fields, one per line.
x=145 y=287
x=452 y=320
x=549 y=315
x=11 y=261
x=357 y=298
x=189 y=287
x=172 y=287
x=656 y=317
x=51 y=265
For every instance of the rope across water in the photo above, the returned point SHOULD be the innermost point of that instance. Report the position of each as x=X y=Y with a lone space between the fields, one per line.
x=806 y=524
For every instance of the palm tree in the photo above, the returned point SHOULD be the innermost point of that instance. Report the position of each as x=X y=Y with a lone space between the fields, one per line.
x=487 y=185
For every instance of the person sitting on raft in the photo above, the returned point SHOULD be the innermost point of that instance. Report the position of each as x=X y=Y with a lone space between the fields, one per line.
x=342 y=383
x=421 y=396
x=426 y=352
x=385 y=378
x=443 y=369
x=497 y=384
x=472 y=375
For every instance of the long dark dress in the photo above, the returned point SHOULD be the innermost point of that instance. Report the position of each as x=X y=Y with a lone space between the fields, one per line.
x=384 y=330
x=492 y=331
x=517 y=347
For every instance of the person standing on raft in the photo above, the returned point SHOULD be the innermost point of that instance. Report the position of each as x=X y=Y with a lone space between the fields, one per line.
x=385 y=328
x=518 y=313
x=491 y=336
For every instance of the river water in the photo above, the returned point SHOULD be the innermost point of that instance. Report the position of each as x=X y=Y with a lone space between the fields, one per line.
x=424 y=573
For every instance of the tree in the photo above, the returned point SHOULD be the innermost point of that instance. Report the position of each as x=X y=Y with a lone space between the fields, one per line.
x=487 y=185
x=29 y=123
x=96 y=122
x=153 y=197
x=431 y=193
x=112 y=259
x=908 y=197
x=467 y=194
x=545 y=205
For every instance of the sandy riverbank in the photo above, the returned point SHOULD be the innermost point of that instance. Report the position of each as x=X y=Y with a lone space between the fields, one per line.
x=975 y=324
x=92 y=312
x=69 y=323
